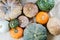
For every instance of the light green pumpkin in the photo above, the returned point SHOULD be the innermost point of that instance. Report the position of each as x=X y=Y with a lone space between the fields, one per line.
x=35 y=31
x=45 y=5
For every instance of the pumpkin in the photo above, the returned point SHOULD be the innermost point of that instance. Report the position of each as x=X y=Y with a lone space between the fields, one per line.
x=10 y=9
x=53 y=26
x=42 y=17
x=13 y=23
x=30 y=10
x=23 y=20
x=45 y=5
x=16 y=33
x=35 y=31
x=4 y=26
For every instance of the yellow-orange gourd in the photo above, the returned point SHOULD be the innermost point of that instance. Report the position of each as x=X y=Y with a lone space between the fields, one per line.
x=16 y=33
x=42 y=17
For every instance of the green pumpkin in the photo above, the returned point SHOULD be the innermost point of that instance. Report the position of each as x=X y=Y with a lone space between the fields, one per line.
x=13 y=23
x=35 y=31
x=45 y=5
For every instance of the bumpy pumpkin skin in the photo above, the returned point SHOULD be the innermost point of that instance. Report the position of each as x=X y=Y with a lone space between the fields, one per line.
x=35 y=32
x=10 y=9
x=45 y=5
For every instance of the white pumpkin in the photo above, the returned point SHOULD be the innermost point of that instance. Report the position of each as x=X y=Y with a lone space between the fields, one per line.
x=4 y=26
x=10 y=9
x=53 y=26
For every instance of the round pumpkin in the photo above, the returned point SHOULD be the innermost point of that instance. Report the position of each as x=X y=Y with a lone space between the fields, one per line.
x=23 y=21
x=10 y=9
x=13 y=23
x=30 y=10
x=16 y=33
x=4 y=26
x=42 y=17
x=53 y=26
x=45 y=5
x=35 y=31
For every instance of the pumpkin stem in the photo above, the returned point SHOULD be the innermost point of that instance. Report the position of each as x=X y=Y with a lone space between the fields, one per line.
x=15 y=30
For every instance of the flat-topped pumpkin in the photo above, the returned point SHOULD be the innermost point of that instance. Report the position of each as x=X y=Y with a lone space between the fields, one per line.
x=35 y=31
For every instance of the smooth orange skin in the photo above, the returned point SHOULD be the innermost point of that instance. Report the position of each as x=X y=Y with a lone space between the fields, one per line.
x=41 y=20
x=17 y=35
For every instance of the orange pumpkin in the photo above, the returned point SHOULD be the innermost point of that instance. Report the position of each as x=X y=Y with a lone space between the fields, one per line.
x=42 y=17
x=16 y=33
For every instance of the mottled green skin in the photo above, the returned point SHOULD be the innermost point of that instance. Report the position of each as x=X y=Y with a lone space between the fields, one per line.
x=13 y=23
x=35 y=32
x=45 y=5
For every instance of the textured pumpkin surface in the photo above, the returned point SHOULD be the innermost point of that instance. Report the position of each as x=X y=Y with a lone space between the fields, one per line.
x=35 y=32
x=23 y=20
x=45 y=5
x=42 y=17
x=30 y=10
x=16 y=33
x=10 y=9
x=13 y=23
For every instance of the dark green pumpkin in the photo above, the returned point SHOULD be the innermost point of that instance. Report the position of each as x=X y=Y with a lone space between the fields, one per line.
x=35 y=31
x=45 y=5
x=13 y=23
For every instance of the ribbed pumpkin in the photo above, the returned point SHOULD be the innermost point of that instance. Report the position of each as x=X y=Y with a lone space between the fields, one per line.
x=45 y=5
x=10 y=9
x=13 y=23
x=35 y=31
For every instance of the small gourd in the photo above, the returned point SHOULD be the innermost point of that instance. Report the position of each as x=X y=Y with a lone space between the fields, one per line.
x=16 y=33
x=42 y=17
x=13 y=23
x=23 y=21
x=35 y=31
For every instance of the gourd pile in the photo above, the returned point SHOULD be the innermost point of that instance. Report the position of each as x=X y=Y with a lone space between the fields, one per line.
x=30 y=21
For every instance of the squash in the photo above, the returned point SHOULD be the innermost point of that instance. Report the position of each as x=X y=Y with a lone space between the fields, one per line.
x=53 y=26
x=35 y=31
x=30 y=10
x=4 y=26
x=45 y=5
x=16 y=33
x=42 y=17
x=10 y=9
x=13 y=23
x=23 y=21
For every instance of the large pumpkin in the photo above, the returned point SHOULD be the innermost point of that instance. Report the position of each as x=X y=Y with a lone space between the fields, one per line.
x=35 y=31
x=45 y=5
x=10 y=9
